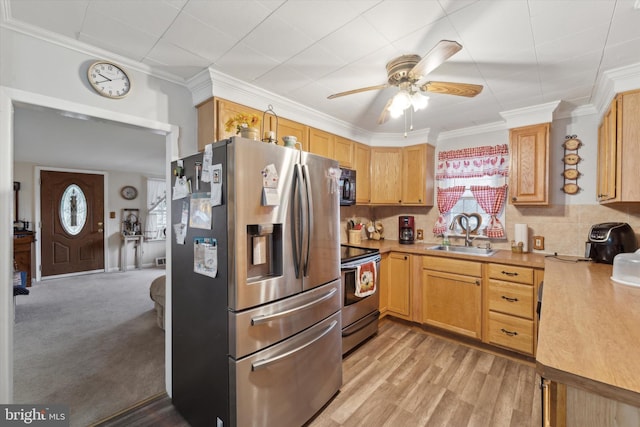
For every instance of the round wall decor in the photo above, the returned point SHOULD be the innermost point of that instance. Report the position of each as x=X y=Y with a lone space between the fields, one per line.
x=129 y=192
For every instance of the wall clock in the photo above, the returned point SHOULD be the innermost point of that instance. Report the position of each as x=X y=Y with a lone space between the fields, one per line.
x=109 y=79
x=129 y=192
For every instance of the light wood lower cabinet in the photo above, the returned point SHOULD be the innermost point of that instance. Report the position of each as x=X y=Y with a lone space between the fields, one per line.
x=399 y=285
x=384 y=285
x=511 y=301
x=452 y=295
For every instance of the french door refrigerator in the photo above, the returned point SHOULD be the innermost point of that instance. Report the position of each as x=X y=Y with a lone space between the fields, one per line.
x=256 y=293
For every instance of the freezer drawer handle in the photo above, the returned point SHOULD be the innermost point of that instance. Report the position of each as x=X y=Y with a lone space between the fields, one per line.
x=267 y=318
x=261 y=364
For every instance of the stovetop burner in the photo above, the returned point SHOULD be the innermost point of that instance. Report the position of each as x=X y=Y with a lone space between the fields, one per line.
x=352 y=253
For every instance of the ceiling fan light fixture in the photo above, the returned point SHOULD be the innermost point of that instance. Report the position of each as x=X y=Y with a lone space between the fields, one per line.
x=401 y=101
x=396 y=112
x=419 y=101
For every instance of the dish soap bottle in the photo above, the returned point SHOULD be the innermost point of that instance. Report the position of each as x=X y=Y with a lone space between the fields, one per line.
x=445 y=240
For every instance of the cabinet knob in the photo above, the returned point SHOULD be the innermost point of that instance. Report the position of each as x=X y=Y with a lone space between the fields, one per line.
x=514 y=199
x=405 y=257
x=477 y=282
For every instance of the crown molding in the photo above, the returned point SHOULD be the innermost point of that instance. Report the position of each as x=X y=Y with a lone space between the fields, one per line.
x=613 y=82
x=472 y=130
x=535 y=114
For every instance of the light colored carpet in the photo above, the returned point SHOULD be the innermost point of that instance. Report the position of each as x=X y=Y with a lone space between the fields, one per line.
x=90 y=342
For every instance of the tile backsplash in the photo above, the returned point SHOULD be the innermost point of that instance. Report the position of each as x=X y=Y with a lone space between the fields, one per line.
x=564 y=227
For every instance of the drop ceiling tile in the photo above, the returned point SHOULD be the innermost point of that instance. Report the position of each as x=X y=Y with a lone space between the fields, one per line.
x=282 y=80
x=318 y=18
x=64 y=16
x=489 y=29
x=573 y=45
x=354 y=41
x=167 y=53
x=315 y=62
x=194 y=36
x=278 y=39
x=395 y=20
x=245 y=63
x=235 y=18
x=620 y=55
x=567 y=17
x=626 y=25
x=151 y=16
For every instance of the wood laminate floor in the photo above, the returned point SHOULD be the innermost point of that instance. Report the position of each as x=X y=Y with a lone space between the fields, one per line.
x=405 y=376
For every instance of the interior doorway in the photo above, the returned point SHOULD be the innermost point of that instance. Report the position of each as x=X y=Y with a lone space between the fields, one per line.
x=72 y=218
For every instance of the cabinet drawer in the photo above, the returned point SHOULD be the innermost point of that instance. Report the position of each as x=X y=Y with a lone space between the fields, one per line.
x=511 y=332
x=511 y=298
x=450 y=265
x=511 y=273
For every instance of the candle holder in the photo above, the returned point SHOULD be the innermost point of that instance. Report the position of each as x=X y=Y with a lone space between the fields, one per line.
x=269 y=136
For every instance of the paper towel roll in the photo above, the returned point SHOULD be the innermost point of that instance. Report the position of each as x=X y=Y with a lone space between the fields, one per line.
x=522 y=235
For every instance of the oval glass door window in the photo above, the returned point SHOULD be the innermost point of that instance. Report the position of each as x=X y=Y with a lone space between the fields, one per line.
x=73 y=210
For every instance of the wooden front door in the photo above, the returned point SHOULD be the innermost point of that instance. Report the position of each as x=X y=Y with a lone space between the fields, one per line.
x=72 y=212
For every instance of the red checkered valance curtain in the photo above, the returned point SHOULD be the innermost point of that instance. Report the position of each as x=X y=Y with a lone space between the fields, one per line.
x=473 y=162
x=447 y=198
x=491 y=199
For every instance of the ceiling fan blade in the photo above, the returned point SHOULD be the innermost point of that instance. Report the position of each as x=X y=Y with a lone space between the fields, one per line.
x=362 y=89
x=444 y=50
x=448 y=88
x=384 y=116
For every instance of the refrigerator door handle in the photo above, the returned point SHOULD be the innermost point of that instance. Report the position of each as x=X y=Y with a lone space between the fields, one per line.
x=257 y=320
x=296 y=218
x=264 y=363
x=309 y=209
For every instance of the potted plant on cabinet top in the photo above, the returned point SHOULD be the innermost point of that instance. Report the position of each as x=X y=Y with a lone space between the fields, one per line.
x=245 y=124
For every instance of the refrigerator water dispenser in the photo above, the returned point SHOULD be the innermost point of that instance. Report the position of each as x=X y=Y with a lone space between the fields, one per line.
x=264 y=247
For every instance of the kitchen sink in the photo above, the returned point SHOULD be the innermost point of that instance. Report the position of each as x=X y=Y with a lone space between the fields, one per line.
x=469 y=250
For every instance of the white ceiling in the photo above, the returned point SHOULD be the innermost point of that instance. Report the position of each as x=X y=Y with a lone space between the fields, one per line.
x=524 y=52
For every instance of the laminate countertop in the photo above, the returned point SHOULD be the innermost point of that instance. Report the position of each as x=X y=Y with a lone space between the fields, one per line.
x=500 y=256
x=589 y=332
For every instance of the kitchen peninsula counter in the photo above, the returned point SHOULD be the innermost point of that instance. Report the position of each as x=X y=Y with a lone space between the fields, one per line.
x=500 y=256
x=589 y=332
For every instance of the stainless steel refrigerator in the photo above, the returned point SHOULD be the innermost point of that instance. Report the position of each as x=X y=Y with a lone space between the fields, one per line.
x=256 y=326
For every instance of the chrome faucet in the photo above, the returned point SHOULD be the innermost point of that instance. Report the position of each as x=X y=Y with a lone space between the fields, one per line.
x=467 y=239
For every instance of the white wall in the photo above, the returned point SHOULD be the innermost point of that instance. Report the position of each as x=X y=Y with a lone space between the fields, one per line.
x=37 y=72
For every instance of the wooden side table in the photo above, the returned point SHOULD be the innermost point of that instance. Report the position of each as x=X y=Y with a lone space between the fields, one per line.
x=22 y=243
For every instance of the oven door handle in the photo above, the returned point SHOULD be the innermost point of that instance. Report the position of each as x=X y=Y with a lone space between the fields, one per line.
x=261 y=364
x=257 y=320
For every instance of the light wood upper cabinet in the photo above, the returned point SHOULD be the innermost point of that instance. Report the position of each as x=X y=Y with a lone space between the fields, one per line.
x=529 y=175
x=606 y=185
x=386 y=175
x=288 y=127
x=206 y=123
x=399 y=285
x=343 y=152
x=362 y=164
x=321 y=142
x=228 y=109
x=618 y=150
x=418 y=175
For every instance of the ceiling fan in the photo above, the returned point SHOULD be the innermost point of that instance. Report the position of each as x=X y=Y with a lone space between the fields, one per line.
x=407 y=71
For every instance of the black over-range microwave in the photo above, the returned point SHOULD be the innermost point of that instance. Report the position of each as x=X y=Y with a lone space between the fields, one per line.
x=347 y=187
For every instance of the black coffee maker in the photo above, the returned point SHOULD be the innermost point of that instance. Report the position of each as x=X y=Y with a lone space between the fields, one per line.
x=608 y=239
x=406 y=229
